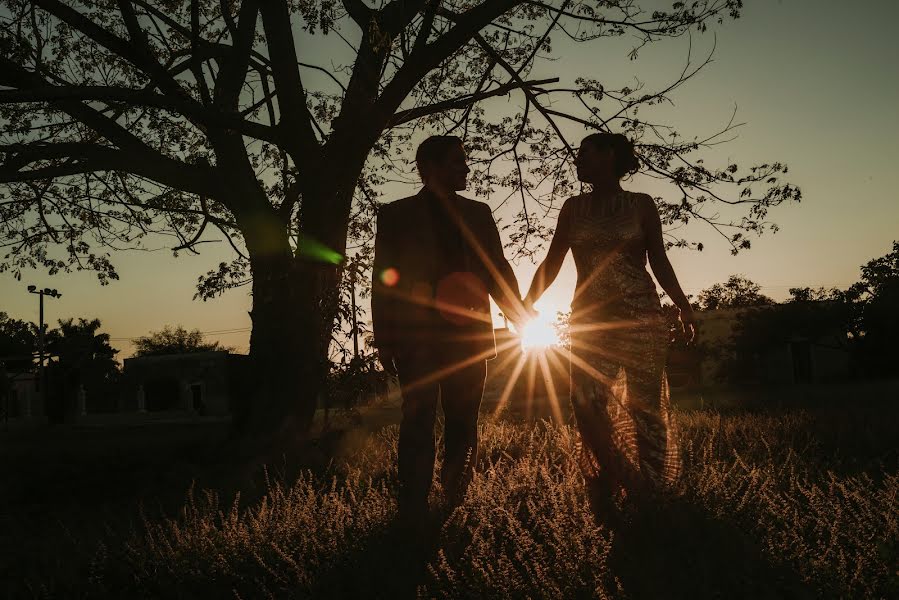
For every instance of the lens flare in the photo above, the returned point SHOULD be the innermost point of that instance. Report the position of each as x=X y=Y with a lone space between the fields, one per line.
x=312 y=249
x=390 y=277
x=539 y=333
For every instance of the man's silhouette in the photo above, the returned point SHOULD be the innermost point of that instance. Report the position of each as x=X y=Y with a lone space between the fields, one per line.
x=438 y=258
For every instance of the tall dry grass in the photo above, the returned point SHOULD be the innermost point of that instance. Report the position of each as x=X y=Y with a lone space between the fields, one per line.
x=769 y=506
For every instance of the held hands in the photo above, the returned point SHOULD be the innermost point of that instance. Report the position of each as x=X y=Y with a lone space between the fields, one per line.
x=529 y=311
x=519 y=313
x=524 y=315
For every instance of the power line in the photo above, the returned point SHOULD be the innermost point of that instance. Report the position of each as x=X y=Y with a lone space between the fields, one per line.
x=204 y=333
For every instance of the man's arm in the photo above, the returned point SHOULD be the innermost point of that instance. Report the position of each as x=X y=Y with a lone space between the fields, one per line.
x=503 y=284
x=385 y=276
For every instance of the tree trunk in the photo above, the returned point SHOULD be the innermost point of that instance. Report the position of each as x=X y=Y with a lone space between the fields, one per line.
x=295 y=300
x=294 y=306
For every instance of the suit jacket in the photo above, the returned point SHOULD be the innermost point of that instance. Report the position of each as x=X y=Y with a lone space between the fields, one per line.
x=431 y=289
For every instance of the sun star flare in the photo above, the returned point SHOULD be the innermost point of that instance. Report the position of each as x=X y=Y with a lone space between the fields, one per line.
x=539 y=333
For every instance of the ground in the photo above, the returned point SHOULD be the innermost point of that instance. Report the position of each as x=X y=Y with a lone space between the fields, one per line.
x=795 y=497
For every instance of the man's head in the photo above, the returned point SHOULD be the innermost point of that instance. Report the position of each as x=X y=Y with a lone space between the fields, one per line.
x=442 y=163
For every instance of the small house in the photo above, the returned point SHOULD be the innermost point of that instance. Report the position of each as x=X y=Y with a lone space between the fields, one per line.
x=201 y=383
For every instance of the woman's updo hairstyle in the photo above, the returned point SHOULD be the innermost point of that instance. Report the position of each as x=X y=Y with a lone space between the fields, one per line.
x=626 y=162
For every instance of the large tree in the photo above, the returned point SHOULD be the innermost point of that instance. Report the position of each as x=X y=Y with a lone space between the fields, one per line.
x=130 y=117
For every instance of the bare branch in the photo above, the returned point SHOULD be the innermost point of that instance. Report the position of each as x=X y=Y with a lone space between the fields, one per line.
x=134 y=54
x=295 y=117
x=204 y=117
x=527 y=92
x=357 y=11
x=427 y=22
x=542 y=39
x=432 y=54
x=462 y=101
x=87 y=158
x=237 y=59
x=193 y=241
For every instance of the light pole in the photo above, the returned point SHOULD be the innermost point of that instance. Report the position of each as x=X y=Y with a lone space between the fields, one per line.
x=356 y=363
x=41 y=374
x=354 y=273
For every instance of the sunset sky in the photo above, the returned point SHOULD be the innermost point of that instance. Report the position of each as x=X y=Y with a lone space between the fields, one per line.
x=815 y=82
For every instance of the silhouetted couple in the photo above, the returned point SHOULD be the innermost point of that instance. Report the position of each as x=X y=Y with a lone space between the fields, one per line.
x=438 y=259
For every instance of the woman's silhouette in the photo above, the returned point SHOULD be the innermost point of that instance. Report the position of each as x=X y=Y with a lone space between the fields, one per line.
x=619 y=337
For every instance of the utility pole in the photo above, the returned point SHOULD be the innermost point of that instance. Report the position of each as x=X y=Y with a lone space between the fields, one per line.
x=353 y=274
x=42 y=377
x=356 y=363
x=353 y=304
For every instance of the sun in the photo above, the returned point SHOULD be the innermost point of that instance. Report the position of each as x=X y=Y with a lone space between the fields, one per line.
x=539 y=333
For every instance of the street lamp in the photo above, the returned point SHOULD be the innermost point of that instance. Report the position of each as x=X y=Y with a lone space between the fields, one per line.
x=53 y=293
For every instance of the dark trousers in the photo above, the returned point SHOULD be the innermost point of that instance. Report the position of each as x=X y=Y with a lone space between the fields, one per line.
x=422 y=381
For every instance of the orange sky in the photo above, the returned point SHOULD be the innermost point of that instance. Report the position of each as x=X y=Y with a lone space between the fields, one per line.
x=815 y=82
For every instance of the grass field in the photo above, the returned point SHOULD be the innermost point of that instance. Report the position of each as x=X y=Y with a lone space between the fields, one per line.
x=777 y=503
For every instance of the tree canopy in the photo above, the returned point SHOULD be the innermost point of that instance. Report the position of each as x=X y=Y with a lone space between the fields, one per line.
x=118 y=117
x=80 y=348
x=174 y=340
x=736 y=292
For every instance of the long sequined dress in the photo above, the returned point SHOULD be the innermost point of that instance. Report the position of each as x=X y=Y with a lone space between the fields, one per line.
x=619 y=344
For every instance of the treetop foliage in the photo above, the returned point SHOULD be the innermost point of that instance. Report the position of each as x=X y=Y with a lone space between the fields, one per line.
x=175 y=340
x=736 y=292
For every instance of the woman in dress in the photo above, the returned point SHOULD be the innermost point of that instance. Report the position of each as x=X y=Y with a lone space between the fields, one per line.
x=619 y=336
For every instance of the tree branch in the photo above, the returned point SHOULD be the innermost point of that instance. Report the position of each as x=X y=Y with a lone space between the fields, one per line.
x=137 y=56
x=543 y=38
x=229 y=20
x=236 y=61
x=668 y=26
x=493 y=53
x=358 y=11
x=189 y=244
x=462 y=101
x=94 y=158
x=202 y=116
x=428 y=56
x=397 y=15
x=427 y=23
x=299 y=136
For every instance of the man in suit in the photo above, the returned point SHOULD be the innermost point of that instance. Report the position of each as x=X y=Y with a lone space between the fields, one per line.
x=438 y=258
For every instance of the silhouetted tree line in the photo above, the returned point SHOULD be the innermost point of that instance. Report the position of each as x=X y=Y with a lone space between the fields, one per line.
x=77 y=355
x=175 y=340
x=861 y=320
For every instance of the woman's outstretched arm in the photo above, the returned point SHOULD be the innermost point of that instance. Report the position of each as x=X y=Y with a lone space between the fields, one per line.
x=661 y=266
x=549 y=268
